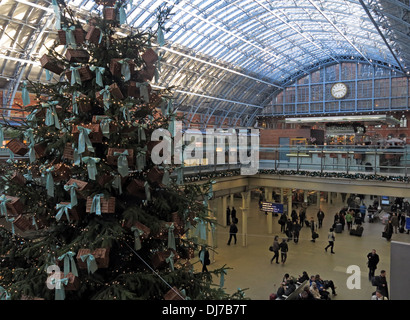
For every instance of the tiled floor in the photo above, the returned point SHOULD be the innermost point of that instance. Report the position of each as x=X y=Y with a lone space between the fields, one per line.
x=251 y=267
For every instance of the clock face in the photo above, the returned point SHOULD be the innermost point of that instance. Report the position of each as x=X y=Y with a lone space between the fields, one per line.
x=339 y=90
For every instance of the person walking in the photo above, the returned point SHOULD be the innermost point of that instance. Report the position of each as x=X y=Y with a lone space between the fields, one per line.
x=302 y=216
x=349 y=219
x=228 y=216
x=395 y=222
x=283 y=250
x=320 y=217
x=233 y=230
x=204 y=257
x=363 y=211
x=233 y=215
x=276 y=248
x=313 y=228
x=296 y=231
x=282 y=221
x=380 y=282
x=372 y=261
x=331 y=238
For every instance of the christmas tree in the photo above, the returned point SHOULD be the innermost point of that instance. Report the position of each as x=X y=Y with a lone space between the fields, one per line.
x=89 y=215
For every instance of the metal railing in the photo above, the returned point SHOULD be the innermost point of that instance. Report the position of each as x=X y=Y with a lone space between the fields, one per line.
x=347 y=159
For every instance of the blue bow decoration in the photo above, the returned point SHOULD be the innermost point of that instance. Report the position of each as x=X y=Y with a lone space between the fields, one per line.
x=24 y=94
x=122 y=163
x=51 y=114
x=69 y=263
x=170 y=260
x=96 y=204
x=106 y=97
x=73 y=194
x=137 y=234
x=171 y=236
x=50 y=182
x=84 y=140
x=63 y=208
x=91 y=166
x=99 y=71
x=69 y=35
x=91 y=263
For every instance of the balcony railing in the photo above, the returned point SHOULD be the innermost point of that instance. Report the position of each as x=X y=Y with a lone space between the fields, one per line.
x=392 y=161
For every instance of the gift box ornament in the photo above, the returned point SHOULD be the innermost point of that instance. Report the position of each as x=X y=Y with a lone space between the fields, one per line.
x=95 y=135
x=93 y=35
x=100 y=255
x=80 y=103
x=99 y=204
x=18 y=178
x=144 y=230
x=14 y=206
x=149 y=57
x=17 y=147
x=162 y=259
x=109 y=14
x=116 y=91
x=122 y=67
x=52 y=64
x=137 y=188
x=84 y=72
x=23 y=223
x=155 y=175
x=147 y=73
x=40 y=150
x=77 y=55
x=134 y=89
x=61 y=172
x=81 y=187
x=114 y=153
x=71 y=283
x=66 y=212
x=174 y=294
x=72 y=34
x=105 y=95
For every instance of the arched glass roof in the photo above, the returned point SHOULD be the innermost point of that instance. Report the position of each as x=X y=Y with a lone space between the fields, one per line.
x=226 y=57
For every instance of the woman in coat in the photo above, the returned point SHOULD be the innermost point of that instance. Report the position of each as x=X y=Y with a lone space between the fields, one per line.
x=388 y=230
x=275 y=249
x=395 y=222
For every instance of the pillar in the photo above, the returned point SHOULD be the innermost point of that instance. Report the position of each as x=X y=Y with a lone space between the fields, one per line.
x=268 y=194
x=289 y=202
x=246 y=196
x=305 y=196
x=318 y=199
x=231 y=202
x=244 y=226
x=224 y=206
x=281 y=195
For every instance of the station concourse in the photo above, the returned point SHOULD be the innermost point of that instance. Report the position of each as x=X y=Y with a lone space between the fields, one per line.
x=251 y=267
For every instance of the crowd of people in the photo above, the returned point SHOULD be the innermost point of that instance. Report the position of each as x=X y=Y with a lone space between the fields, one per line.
x=315 y=289
x=349 y=217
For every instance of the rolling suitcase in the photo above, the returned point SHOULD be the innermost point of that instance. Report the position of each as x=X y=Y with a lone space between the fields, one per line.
x=338 y=228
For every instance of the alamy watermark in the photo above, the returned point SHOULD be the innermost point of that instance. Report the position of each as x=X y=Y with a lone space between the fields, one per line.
x=216 y=146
